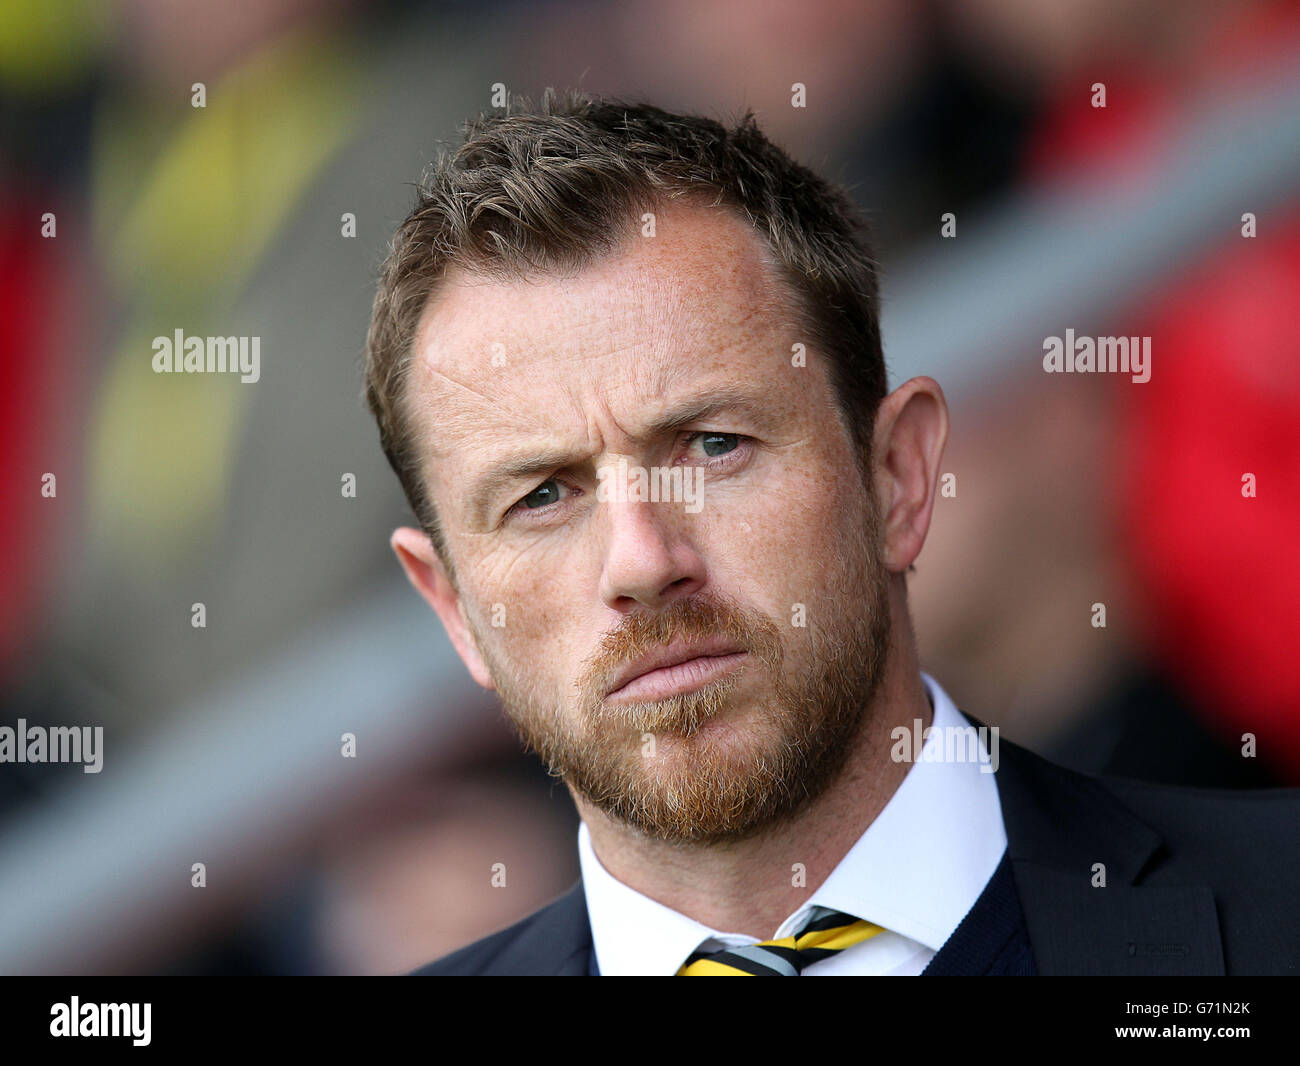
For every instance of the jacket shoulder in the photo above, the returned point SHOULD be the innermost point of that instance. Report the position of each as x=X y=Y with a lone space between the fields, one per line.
x=1232 y=833
x=1211 y=829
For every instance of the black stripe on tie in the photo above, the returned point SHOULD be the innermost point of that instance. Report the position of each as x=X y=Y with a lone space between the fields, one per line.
x=810 y=955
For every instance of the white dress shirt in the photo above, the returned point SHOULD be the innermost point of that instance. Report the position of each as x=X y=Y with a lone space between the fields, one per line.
x=916 y=871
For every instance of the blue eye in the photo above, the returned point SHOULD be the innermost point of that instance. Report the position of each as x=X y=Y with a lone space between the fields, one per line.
x=719 y=443
x=547 y=493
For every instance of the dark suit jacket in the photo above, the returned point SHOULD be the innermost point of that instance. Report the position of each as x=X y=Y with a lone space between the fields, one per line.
x=1197 y=881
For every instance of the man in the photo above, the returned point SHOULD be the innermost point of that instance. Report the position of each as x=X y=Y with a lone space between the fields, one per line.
x=627 y=366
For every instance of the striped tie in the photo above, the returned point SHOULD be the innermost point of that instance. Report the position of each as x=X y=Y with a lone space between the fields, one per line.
x=826 y=933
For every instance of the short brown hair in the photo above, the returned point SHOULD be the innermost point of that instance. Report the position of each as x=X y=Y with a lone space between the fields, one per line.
x=554 y=184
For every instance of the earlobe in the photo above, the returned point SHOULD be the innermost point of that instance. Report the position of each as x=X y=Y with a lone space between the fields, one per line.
x=429 y=577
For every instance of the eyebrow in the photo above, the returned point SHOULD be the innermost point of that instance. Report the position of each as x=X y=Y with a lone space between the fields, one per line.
x=529 y=464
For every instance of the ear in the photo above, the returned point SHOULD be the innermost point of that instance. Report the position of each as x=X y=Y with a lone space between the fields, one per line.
x=425 y=571
x=910 y=433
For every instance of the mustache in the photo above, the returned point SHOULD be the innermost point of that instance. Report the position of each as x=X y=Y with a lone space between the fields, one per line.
x=697 y=618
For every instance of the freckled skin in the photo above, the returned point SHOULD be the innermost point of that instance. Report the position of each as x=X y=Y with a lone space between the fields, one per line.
x=585 y=367
x=589 y=361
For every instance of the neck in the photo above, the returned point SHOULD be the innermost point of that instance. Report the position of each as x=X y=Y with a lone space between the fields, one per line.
x=750 y=886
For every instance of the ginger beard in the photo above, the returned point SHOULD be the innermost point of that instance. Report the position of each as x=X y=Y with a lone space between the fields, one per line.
x=653 y=766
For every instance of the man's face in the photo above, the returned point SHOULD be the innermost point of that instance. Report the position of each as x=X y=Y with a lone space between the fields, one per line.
x=760 y=567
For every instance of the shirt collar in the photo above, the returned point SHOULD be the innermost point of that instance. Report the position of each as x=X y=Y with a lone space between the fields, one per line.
x=916 y=870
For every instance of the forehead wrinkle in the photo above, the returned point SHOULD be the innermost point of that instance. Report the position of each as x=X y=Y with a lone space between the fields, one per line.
x=459 y=419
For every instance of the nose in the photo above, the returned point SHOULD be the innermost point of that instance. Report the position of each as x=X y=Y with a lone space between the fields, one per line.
x=648 y=558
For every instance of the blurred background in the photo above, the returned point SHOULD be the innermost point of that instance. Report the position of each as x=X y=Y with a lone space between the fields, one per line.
x=128 y=213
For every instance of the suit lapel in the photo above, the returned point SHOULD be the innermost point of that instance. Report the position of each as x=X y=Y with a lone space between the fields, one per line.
x=556 y=943
x=992 y=939
x=1060 y=825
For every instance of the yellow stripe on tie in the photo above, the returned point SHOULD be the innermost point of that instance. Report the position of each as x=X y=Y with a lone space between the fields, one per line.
x=838 y=939
x=709 y=968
